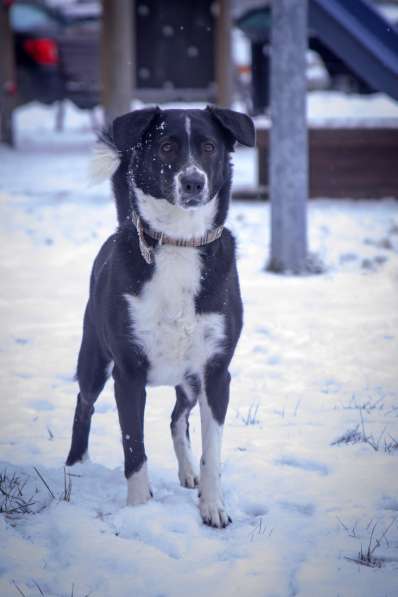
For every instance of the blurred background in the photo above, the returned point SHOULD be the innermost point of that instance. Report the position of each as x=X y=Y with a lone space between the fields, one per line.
x=100 y=59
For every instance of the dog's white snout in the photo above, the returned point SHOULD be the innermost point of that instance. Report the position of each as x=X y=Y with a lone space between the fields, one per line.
x=192 y=186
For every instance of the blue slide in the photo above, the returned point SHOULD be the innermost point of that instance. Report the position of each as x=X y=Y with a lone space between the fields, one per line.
x=357 y=33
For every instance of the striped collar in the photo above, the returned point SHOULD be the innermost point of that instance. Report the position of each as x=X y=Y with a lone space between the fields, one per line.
x=147 y=251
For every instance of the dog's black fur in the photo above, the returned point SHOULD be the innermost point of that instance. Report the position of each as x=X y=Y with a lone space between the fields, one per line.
x=154 y=147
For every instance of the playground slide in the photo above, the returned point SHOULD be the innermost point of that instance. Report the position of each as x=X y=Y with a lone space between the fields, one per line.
x=361 y=37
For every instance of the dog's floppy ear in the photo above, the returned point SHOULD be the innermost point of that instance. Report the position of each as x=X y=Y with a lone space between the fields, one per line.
x=129 y=128
x=239 y=125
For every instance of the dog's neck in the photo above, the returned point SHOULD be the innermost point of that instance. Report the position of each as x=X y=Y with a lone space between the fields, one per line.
x=173 y=221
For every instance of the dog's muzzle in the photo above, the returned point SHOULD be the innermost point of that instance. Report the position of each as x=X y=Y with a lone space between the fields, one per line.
x=191 y=188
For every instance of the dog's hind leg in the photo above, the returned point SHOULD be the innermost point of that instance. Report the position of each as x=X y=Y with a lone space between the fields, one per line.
x=186 y=400
x=92 y=373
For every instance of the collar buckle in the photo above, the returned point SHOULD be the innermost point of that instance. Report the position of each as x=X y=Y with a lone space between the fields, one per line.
x=146 y=250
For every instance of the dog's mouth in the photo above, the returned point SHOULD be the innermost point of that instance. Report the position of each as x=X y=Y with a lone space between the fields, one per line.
x=191 y=201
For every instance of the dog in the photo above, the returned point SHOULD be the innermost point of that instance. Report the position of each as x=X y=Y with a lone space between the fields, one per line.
x=164 y=306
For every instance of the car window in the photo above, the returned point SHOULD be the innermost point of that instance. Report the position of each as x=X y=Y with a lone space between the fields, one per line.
x=25 y=17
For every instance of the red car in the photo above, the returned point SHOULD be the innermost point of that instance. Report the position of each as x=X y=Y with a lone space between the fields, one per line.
x=56 y=51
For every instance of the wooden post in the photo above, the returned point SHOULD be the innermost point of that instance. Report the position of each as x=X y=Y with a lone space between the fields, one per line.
x=289 y=143
x=7 y=76
x=117 y=58
x=223 y=54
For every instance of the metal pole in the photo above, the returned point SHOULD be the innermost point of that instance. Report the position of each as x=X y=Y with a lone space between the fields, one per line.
x=117 y=66
x=289 y=142
x=223 y=54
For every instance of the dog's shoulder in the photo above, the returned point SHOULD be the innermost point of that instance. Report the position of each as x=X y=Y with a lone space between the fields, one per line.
x=119 y=266
x=219 y=289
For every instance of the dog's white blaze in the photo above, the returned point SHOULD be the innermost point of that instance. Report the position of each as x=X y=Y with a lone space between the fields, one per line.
x=173 y=220
x=211 y=499
x=188 y=127
x=138 y=490
x=188 y=131
x=174 y=337
x=103 y=163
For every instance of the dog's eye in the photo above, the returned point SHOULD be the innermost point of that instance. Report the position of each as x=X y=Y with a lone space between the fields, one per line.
x=167 y=147
x=208 y=147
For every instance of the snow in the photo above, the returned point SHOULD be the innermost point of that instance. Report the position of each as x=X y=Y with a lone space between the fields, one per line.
x=344 y=109
x=318 y=358
x=334 y=108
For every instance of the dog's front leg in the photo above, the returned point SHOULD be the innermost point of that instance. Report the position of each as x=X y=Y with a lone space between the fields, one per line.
x=130 y=398
x=213 y=403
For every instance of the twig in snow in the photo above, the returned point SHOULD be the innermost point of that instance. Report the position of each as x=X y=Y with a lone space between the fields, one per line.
x=18 y=589
x=38 y=587
x=366 y=406
x=260 y=529
x=365 y=438
x=297 y=407
x=367 y=558
x=350 y=533
x=12 y=499
x=44 y=481
x=383 y=536
x=355 y=436
x=351 y=436
x=251 y=417
x=361 y=560
x=390 y=446
x=67 y=486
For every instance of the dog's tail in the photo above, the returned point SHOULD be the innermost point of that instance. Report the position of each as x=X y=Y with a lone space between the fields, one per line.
x=106 y=157
x=104 y=165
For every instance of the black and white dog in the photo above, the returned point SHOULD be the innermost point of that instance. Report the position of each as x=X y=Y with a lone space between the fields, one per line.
x=165 y=305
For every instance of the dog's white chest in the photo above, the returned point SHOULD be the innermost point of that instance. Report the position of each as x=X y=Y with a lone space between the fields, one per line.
x=175 y=339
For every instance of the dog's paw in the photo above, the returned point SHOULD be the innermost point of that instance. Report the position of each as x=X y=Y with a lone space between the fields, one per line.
x=138 y=490
x=138 y=498
x=188 y=480
x=187 y=476
x=214 y=514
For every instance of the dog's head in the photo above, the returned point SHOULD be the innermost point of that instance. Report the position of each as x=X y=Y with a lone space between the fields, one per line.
x=178 y=156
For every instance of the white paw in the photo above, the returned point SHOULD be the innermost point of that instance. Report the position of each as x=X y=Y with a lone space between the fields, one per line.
x=138 y=490
x=213 y=513
x=187 y=475
x=136 y=498
x=188 y=479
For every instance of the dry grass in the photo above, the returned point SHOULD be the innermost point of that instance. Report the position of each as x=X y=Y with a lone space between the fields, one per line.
x=18 y=497
x=251 y=416
x=358 y=434
x=14 y=499
x=41 y=592
x=367 y=557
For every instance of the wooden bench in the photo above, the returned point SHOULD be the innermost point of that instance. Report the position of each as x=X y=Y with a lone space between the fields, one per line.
x=345 y=162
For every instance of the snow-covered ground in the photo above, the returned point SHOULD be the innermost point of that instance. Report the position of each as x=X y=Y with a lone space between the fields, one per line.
x=314 y=376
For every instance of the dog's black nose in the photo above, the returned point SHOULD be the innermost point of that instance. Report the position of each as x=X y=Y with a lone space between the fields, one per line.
x=192 y=184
